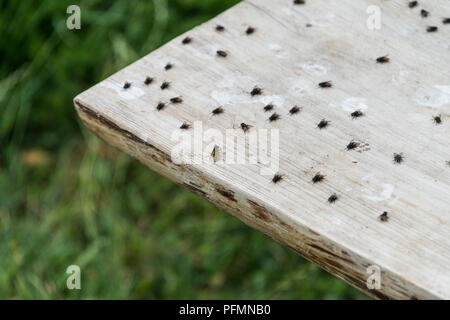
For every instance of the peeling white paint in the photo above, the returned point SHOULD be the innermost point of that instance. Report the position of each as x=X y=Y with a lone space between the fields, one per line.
x=280 y=52
x=275 y=47
x=313 y=69
x=436 y=97
x=230 y=93
x=351 y=104
x=372 y=191
x=385 y=194
x=287 y=10
x=275 y=99
x=324 y=21
x=225 y=97
x=205 y=52
x=416 y=117
x=227 y=82
x=400 y=78
x=131 y=93
x=367 y=177
x=300 y=87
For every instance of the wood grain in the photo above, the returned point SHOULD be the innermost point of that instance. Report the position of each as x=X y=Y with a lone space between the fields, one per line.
x=292 y=50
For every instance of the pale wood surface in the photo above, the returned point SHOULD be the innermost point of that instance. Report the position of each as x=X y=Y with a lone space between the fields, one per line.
x=288 y=59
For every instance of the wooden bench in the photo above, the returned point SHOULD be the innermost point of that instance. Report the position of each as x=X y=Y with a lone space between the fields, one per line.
x=391 y=213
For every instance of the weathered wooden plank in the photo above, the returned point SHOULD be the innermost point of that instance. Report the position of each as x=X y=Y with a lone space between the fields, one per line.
x=292 y=49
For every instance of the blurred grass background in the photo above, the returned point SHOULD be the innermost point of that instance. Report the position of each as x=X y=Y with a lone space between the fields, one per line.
x=68 y=198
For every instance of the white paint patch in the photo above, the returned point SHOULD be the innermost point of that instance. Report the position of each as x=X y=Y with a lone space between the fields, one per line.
x=400 y=78
x=227 y=82
x=325 y=21
x=229 y=93
x=435 y=97
x=287 y=10
x=225 y=97
x=313 y=69
x=416 y=117
x=385 y=194
x=300 y=87
x=276 y=100
x=275 y=47
x=280 y=52
x=351 y=104
x=376 y=195
x=205 y=52
x=367 y=177
x=131 y=93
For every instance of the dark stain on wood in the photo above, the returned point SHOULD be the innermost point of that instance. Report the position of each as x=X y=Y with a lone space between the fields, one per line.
x=343 y=267
x=324 y=250
x=159 y=156
x=313 y=232
x=225 y=192
x=259 y=211
x=195 y=189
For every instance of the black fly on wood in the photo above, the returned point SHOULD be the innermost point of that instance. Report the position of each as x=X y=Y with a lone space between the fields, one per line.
x=318 y=178
x=277 y=178
x=323 y=124
x=185 y=126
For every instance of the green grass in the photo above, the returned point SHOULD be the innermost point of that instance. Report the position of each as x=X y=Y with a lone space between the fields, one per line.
x=67 y=198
